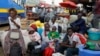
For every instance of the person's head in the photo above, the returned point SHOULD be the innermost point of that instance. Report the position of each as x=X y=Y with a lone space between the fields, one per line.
x=70 y=31
x=32 y=29
x=54 y=19
x=54 y=28
x=79 y=15
x=47 y=27
x=12 y=12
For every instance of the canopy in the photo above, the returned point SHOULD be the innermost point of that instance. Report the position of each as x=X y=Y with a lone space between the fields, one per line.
x=68 y=4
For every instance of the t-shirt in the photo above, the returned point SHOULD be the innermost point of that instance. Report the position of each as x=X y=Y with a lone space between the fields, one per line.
x=12 y=25
x=53 y=35
x=53 y=24
x=75 y=38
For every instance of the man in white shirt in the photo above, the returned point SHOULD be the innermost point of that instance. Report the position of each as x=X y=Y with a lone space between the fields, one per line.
x=52 y=23
x=73 y=42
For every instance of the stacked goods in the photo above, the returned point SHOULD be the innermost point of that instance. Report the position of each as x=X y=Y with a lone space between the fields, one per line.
x=25 y=23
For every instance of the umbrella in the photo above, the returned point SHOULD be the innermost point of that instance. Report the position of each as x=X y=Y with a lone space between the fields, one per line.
x=68 y=4
x=43 y=4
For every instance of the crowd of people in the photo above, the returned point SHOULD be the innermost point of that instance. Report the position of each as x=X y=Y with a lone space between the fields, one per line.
x=57 y=35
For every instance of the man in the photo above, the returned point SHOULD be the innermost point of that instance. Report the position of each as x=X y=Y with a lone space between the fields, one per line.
x=96 y=18
x=72 y=42
x=79 y=24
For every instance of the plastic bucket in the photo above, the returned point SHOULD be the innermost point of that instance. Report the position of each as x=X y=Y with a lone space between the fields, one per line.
x=94 y=35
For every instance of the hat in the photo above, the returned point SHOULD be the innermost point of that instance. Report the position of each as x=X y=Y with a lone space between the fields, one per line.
x=33 y=26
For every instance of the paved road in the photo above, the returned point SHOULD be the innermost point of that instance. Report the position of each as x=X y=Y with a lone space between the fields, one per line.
x=1 y=52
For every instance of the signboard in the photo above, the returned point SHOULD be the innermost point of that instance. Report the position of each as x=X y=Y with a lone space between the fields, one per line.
x=32 y=2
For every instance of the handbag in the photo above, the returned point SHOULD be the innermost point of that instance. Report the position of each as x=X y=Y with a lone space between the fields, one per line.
x=14 y=35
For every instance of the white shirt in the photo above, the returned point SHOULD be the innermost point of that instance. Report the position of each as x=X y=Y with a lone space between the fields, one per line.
x=53 y=24
x=45 y=38
x=75 y=38
x=12 y=25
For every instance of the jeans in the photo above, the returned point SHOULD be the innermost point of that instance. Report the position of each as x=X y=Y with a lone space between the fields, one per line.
x=72 y=51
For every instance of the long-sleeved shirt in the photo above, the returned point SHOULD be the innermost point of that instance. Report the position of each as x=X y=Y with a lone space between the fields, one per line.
x=81 y=24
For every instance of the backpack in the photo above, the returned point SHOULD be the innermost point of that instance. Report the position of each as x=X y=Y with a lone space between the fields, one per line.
x=82 y=38
x=16 y=50
x=48 y=51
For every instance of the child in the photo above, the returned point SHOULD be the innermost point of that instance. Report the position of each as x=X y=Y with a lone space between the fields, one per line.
x=54 y=36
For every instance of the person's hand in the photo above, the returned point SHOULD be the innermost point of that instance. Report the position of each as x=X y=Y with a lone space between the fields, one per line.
x=33 y=39
x=61 y=44
x=12 y=20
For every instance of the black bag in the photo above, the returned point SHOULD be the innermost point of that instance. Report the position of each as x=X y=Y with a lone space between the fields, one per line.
x=15 y=50
x=32 y=50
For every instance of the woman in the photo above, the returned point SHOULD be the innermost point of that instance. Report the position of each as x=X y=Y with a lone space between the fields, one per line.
x=34 y=35
x=14 y=33
x=34 y=47
x=14 y=21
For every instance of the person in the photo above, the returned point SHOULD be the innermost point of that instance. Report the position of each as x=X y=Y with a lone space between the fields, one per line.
x=45 y=39
x=52 y=23
x=96 y=18
x=53 y=34
x=72 y=42
x=15 y=26
x=34 y=35
x=14 y=21
x=80 y=24
x=34 y=47
x=45 y=32
x=49 y=14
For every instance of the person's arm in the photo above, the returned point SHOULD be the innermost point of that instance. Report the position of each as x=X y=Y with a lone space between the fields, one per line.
x=73 y=45
x=79 y=22
x=75 y=41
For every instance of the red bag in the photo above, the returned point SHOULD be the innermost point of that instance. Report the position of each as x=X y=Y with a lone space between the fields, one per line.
x=48 y=51
x=82 y=38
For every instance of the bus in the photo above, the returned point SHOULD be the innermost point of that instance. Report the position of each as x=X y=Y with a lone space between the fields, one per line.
x=5 y=5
